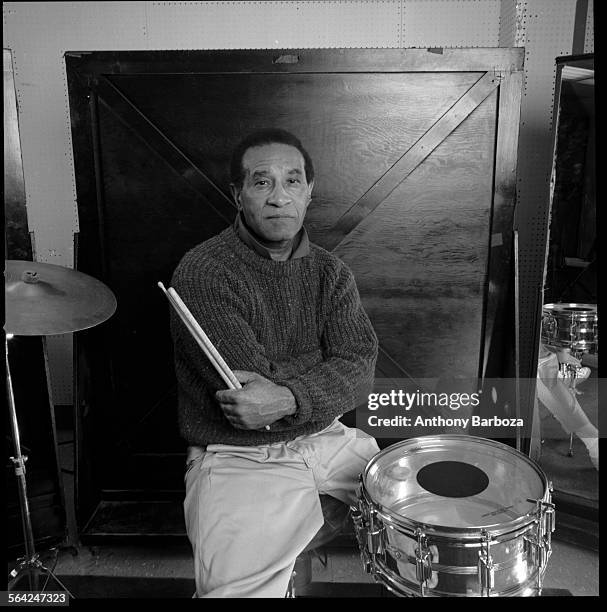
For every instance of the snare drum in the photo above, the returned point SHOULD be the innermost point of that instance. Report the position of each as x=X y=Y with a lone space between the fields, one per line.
x=572 y=326
x=454 y=515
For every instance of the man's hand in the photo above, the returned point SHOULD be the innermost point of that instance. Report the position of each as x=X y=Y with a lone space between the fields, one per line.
x=260 y=402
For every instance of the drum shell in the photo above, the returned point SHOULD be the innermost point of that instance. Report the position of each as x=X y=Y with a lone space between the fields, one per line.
x=514 y=557
x=572 y=326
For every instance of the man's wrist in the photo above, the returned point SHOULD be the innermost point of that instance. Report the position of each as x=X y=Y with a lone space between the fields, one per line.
x=290 y=403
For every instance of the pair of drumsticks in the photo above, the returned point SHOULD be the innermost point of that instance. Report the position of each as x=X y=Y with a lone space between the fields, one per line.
x=201 y=338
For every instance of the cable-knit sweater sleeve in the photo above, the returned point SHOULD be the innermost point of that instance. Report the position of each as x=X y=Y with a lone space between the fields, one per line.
x=344 y=377
x=216 y=303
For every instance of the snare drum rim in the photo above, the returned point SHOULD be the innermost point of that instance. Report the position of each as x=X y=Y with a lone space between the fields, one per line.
x=471 y=532
x=589 y=310
x=559 y=311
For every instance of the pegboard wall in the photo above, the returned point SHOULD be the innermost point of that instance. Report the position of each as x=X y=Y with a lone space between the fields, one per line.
x=451 y=23
x=546 y=30
x=39 y=33
x=508 y=24
x=589 y=37
x=266 y=25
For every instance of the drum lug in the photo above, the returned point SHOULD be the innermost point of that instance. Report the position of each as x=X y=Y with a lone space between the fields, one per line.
x=374 y=541
x=369 y=532
x=539 y=551
x=549 y=327
x=545 y=527
x=486 y=571
x=423 y=561
x=374 y=534
x=546 y=522
x=542 y=540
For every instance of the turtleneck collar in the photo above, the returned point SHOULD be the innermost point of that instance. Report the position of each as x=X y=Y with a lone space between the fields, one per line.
x=300 y=245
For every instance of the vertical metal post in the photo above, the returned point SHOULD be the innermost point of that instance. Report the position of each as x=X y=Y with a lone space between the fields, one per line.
x=19 y=462
x=517 y=348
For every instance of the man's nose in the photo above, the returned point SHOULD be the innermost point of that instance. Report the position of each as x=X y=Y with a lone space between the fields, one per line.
x=279 y=197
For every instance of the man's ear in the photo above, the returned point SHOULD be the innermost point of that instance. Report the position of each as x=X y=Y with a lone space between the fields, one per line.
x=310 y=187
x=235 y=195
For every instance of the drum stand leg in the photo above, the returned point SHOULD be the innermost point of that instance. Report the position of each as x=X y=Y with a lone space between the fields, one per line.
x=570 y=374
x=30 y=565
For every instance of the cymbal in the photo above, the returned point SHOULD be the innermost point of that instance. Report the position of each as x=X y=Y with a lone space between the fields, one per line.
x=43 y=299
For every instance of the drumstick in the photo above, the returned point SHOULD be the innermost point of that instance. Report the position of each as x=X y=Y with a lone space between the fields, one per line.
x=198 y=340
x=209 y=345
x=201 y=338
x=203 y=341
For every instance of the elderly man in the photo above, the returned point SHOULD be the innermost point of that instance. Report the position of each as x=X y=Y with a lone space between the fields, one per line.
x=286 y=317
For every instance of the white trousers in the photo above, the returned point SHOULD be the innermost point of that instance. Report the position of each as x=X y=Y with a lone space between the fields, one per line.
x=250 y=510
x=557 y=397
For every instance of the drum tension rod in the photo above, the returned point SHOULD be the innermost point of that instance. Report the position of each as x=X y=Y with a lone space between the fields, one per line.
x=486 y=571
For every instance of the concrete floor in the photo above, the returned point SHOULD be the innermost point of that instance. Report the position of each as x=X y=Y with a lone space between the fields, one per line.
x=570 y=567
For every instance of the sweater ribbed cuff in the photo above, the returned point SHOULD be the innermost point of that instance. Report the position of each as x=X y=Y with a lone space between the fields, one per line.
x=305 y=408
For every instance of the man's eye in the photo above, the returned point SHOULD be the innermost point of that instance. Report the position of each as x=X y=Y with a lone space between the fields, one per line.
x=261 y=182
x=294 y=181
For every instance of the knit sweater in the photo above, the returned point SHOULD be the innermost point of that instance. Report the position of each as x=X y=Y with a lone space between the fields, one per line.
x=299 y=323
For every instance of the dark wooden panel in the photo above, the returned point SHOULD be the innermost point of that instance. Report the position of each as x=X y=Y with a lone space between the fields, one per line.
x=421 y=256
x=152 y=216
x=410 y=159
x=355 y=126
x=420 y=259
x=132 y=117
x=308 y=60
x=126 y=518
x=497 y=334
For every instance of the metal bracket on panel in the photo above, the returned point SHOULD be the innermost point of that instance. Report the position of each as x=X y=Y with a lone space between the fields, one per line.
x=498 y=75
x=286 y=59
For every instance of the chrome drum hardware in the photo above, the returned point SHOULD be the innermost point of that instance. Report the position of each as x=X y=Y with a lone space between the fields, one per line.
x=571 y=326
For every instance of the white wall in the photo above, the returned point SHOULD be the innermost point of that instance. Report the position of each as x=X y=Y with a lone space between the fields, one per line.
x=39 y=33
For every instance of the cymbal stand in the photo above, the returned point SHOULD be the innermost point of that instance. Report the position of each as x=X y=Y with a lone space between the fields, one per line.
x=30 y=565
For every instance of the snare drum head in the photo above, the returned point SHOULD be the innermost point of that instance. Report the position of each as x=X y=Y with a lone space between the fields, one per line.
x=453 y=481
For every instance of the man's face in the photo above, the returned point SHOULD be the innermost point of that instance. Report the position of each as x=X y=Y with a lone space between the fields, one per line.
x=275 y=193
